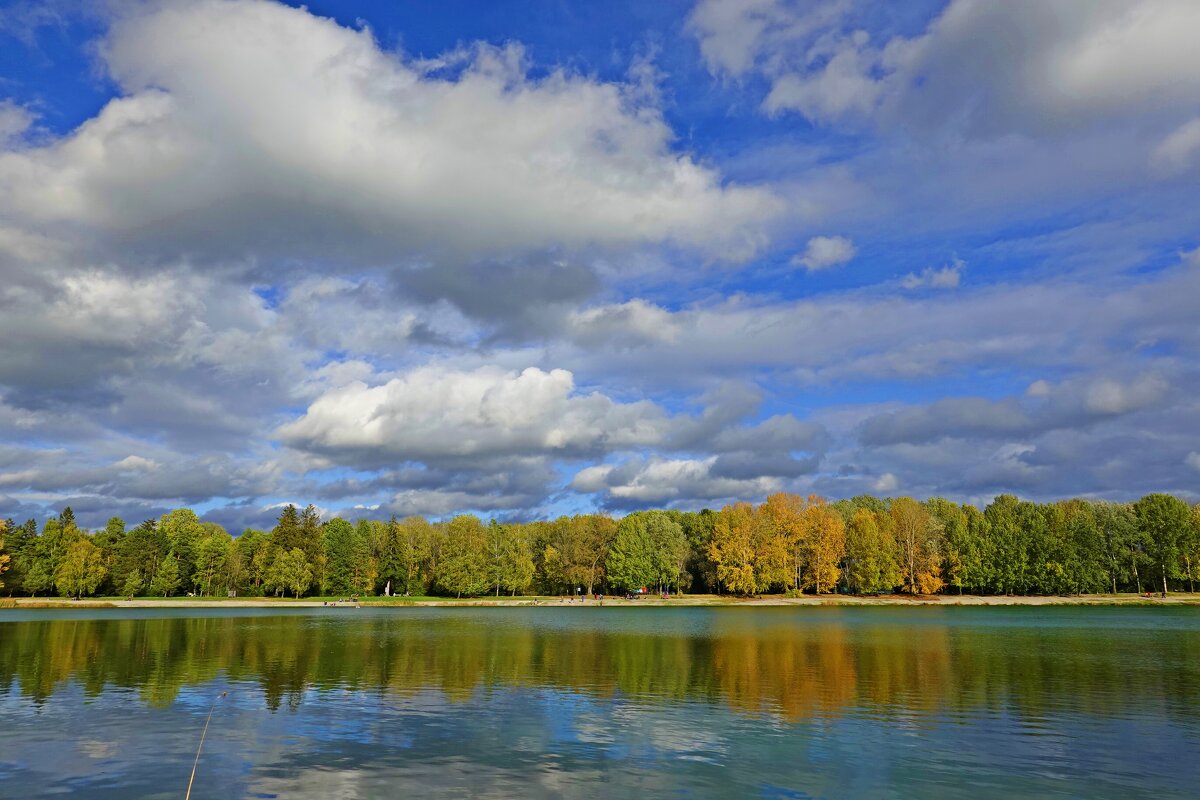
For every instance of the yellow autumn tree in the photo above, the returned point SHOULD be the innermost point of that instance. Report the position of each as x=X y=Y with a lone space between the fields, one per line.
x=918 y=539
x=823 y=541
x=3 y=556
x=732 y=548
x=778 y=558
x=800 y=543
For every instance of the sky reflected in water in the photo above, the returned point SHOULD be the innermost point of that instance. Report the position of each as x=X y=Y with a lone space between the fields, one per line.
x=688 y=702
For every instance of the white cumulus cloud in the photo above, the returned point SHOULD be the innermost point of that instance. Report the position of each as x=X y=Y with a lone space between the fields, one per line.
x=823 y=252
x=303 y=131
x=435 y=413
x=947 y=277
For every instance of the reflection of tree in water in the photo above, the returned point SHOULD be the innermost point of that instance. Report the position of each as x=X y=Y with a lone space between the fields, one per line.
x=794 y=670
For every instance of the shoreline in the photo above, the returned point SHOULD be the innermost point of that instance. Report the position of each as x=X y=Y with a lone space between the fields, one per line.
x=713 y=601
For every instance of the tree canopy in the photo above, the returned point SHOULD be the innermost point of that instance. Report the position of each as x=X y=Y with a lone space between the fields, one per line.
x=787 y=543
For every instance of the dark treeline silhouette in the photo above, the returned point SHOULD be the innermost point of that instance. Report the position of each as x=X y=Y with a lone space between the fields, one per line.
x=787 y=544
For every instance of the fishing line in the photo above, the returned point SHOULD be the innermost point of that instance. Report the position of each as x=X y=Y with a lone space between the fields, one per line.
x=201 y=746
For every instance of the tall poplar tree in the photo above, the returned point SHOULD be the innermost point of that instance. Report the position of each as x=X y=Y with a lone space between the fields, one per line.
x=919 y=542
x=871 y=554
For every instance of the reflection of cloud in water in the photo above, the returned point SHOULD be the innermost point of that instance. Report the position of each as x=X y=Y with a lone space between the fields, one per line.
x=671 y=734
x=94 y=748
x=660 y=703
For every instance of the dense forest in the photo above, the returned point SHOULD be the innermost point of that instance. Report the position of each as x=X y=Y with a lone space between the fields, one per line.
x=787 y=544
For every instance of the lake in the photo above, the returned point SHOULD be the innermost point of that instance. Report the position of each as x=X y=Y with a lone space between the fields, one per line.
x=602 y=702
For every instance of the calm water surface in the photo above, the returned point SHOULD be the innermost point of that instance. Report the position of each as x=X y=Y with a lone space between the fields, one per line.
x=589 y=702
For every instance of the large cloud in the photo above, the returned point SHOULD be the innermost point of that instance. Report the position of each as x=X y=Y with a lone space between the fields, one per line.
x=1074 y=404
x=873 y=334
x=437 y=413
x=490 y=439
x=658 y=482
x=1024 y=66
x=305 y=138
x=431 y=413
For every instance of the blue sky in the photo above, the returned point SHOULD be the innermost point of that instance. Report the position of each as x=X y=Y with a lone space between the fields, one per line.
x=528 y=258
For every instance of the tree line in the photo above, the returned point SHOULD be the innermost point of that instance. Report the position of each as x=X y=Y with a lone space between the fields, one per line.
x=788 y=544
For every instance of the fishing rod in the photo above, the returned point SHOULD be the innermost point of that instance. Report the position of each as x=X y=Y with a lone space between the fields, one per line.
x=195 y=763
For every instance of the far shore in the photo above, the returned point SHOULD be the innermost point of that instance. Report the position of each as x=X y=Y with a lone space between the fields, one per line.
x=1173 y=599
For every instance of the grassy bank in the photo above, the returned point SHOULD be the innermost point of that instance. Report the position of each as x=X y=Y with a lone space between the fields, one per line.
x=1176 y=599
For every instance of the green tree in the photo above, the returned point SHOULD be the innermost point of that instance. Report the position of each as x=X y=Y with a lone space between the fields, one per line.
x=872 y=560
x=405 y=555
x=1165 y=521
x=39 y=578
x=134 y=583
x=56 y=538
x=310 y=532
x=1085 y=551
x=166 y=579
x=337 y=540
x=1190 y=548
x=81 y=570
x=1120 y=543
x=211 y=555
x=292 y=571
x=115 y=527
x=462 y=568
x=252 y=549
x=141 y=550
x=648 y=550
x=365 y=564
x=962 y=540
x=698 y=530
x=20 y=544
x=594 y=535
x=287 y=533
x=496 y=543
x=46 y=553
x=1005 y=556
x=183 y=531
x=509 y=557
x=518 y=560
x=574 y=550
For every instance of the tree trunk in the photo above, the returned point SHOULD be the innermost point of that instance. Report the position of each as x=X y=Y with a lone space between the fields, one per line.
x=1137 y=578
x=912 y=578
x=1164 y=577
